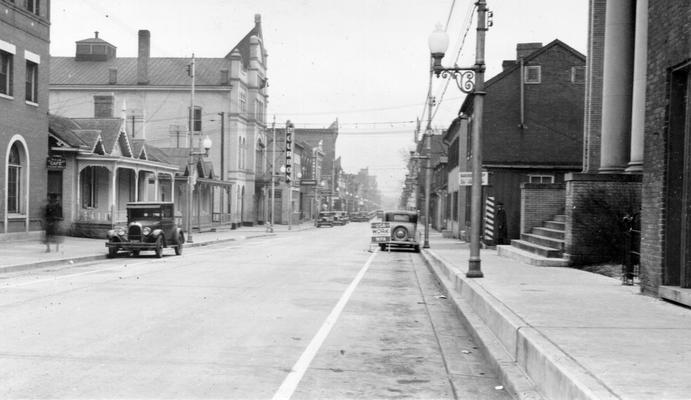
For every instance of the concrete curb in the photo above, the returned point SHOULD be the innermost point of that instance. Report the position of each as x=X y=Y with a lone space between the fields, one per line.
x=74 y=260
x=529 y=364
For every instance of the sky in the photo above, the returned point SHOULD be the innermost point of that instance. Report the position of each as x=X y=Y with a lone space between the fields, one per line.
x=363 y=62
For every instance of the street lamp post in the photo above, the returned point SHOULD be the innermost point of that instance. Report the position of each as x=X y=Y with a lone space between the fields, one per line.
x=469 y=80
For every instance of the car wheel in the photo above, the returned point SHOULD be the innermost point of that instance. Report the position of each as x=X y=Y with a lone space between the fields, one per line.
x=178 y=249
x=416 y=248
x=134 y=253
x=382 y=246
x=112 y=251
x=159 y=247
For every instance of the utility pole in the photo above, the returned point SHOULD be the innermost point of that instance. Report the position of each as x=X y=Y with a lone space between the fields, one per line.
x=223 y=168
x=474 y=267
x=191 y=167
x=428 y=166
x=273 y=172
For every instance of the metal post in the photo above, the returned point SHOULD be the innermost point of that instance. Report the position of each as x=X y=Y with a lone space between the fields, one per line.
x=474 y=264
x=190 y=194
x=273 y=172
x=428 y=167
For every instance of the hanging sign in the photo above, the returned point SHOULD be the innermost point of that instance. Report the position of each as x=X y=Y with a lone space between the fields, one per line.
x=56 y=162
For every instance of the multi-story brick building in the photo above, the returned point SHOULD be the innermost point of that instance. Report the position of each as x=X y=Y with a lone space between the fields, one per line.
x=24 y=60
x=228 y=106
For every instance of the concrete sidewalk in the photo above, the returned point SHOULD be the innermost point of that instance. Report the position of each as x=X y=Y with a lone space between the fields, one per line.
x=561 y=333
x=24 y=254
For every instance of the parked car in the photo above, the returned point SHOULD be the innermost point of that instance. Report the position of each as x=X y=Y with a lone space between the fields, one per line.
x=403 y=229
x=360 y=216
x=150 y=226
x=325 y=218
x=339 y=218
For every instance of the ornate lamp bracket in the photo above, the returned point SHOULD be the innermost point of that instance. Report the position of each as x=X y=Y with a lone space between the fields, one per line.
x=464 y=77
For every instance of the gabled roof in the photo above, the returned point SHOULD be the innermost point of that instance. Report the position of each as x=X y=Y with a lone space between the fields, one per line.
x=243 y=46
x=508 y=71
x=162 y=71
x=104 y=136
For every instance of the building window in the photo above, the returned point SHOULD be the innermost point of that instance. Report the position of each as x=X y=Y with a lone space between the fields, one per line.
x=541 y=178
x=532 y=74
x=577 y=74
x=31 y=82
x=243 y=102
x=195 y=121
x=103 y=106
x=6 y=73
x=14 y=180
x=259 y=111
x=33 y=6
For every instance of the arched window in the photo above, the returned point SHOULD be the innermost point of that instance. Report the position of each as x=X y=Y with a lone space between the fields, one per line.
x=14 y=180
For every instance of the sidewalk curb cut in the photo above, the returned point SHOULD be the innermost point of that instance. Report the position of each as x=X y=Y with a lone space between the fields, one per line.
x=74 y=260
x=532 y=357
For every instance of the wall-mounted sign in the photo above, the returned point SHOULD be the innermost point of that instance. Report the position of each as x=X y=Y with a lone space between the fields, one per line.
x=308 y=182
x=466 y=178
x=56 y=162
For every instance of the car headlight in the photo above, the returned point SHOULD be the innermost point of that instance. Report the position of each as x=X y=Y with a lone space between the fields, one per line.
x=119 y=230
x=146 y=231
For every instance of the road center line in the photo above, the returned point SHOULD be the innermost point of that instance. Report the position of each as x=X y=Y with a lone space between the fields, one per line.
x=291 y=381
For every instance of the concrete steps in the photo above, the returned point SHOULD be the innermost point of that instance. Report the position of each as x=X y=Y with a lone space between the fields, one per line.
x=544 y=246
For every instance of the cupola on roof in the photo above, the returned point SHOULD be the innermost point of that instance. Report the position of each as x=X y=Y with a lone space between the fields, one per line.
x=94 y=49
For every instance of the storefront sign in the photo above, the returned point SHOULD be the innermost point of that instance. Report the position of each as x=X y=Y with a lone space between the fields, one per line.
x=56 y=162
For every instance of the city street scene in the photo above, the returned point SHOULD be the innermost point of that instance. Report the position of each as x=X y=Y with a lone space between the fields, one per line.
x=363 y=199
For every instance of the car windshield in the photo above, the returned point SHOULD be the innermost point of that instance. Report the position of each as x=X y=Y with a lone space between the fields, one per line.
x=142 y=213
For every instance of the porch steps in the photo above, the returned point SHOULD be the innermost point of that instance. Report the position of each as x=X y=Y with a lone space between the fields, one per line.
x=544 y=246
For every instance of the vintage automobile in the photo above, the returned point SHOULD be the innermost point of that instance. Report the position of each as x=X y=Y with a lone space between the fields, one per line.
x=403 y=230
x=325 y=218
x=150 y=226
x=340 y=218
x=360 y=216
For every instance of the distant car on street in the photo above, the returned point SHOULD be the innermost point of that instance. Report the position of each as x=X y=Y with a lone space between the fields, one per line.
x=340 y=218
x=325 y=218
x=150 y=226
x=360 y=216
x=403 y=230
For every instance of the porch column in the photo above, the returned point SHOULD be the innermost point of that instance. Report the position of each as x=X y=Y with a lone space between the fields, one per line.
x=156 y=186
x=136 y=184
x=617 y=85
x=639 y=82
x=113 y=191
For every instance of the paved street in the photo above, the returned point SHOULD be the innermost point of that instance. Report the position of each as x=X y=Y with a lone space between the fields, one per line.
x=306 y=314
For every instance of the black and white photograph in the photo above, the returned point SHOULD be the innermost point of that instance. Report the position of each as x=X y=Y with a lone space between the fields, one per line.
x=345 y=199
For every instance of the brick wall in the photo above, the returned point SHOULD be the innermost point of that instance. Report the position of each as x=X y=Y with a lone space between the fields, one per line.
x=540 y=202
x=595 y=207
x=669 y=45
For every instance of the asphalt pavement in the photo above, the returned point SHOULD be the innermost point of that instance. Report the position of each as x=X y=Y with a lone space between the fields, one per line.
x=554 y=333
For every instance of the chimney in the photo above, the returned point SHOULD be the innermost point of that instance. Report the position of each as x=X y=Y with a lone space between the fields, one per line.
x=523 y=50
x=112 y=76
x=143 y=58
x=507 y=64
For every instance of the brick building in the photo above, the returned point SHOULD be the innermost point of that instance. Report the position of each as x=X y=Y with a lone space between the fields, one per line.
x=24 y=59
x=532 y=128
